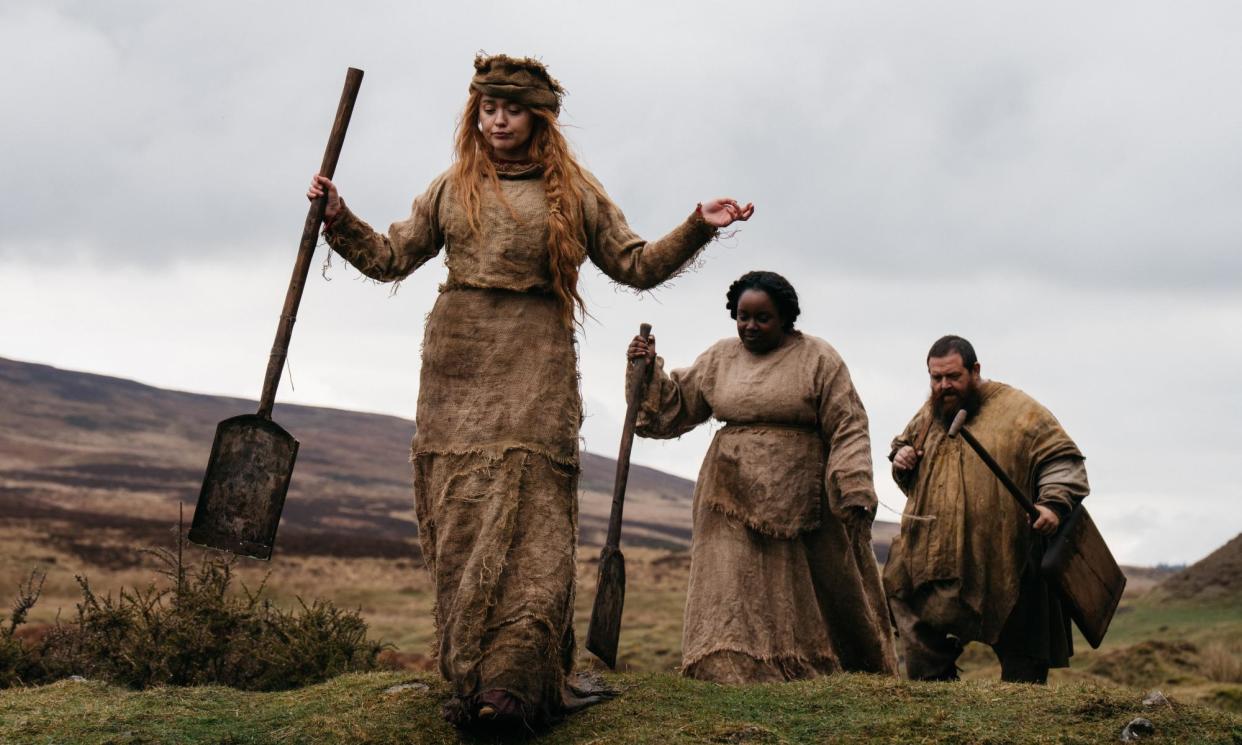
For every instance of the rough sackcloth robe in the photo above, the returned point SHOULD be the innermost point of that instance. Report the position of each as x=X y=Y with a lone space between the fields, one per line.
x=495 y=453
x=780 y=588
x=965 y=571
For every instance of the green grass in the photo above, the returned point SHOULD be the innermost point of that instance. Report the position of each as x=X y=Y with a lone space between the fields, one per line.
x=1155 y=617
x=661 y=709
x=1155 y=644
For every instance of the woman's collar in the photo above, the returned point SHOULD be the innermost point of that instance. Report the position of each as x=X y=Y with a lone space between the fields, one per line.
x=515 y=169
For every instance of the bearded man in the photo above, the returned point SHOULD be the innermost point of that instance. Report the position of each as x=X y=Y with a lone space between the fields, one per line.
x=965 y=566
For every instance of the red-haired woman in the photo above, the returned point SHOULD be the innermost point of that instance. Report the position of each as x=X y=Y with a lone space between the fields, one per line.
x=496 y=449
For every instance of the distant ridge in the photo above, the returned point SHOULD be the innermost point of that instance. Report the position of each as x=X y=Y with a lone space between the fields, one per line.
x=86 y=451
x=81 y=451
x=1216 y=576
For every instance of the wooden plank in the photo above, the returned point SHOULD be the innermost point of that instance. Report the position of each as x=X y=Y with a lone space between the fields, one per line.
x=1086 y=573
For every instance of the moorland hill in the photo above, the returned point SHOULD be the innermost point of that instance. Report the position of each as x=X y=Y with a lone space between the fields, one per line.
x=1217 y=576
x=87 y=451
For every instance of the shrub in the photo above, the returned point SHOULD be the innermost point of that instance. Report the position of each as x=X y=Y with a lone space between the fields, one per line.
x=16 y=664
x=191 y=630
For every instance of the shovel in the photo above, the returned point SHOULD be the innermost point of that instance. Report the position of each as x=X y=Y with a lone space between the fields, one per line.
x=605 y=629
x=252 y=457
x=1077 y=560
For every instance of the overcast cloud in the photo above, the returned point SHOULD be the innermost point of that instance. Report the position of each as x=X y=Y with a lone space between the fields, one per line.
x=1060 y=183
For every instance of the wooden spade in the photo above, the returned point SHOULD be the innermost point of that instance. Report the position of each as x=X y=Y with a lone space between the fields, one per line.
x=252 y=457
x=605 y=629
x=1077 y=561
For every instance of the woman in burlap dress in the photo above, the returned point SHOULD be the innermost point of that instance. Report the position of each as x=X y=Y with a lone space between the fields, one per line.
x=783 y=581
x=495 y=454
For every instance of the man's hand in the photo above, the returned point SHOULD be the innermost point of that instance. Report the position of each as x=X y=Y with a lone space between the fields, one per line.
x=1047 y=522
x=906 y=458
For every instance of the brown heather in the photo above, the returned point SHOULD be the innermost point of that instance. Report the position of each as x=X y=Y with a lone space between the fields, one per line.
x=188 y=629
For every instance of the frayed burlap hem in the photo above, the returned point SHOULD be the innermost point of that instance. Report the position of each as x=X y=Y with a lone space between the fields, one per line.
x=786 y=662
x=498 y=451
x=778 y=532
x=455 y=285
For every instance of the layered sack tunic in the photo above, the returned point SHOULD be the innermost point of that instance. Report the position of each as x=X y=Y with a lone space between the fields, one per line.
x=961 y=571
x=495 y=453
x=779 y=587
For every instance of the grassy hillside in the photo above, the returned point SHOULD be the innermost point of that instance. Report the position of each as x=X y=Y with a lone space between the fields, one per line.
x=660 y=709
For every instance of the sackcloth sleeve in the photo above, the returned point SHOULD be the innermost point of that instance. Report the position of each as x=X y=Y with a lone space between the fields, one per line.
x=905 y=479
x=409 y=243
x=627 y=258
x=844 y=427
x=1057 y=465
x=1062 y=483
x=673 y=404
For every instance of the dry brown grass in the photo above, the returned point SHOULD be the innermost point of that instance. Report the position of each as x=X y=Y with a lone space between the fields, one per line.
x=393 y=595
x=395 y=598
x=1221 y=661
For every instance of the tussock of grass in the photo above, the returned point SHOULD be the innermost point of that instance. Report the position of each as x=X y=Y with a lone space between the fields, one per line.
x=660 y=709
x=189 y=630
x=1222 y=662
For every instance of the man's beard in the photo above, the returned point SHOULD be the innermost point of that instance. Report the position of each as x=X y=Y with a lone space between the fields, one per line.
x=970 y=400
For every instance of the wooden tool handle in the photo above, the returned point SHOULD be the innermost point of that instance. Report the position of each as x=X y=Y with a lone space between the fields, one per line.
x=635 y=396
x=958 y=427
x=310 y=237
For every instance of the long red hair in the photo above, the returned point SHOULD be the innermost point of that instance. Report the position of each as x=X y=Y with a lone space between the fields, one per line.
x=563 y=183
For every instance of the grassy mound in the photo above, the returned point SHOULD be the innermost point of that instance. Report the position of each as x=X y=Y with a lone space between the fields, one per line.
x=663 y=709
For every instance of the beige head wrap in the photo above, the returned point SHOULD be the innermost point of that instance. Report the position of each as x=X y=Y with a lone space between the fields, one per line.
x=520 y=79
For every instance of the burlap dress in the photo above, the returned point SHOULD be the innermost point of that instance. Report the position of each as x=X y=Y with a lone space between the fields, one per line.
x=780 y=588
x=495 y=454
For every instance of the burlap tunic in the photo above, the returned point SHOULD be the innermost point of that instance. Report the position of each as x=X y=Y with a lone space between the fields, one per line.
x=961 y=571
x=495 y=453
x=779 y=587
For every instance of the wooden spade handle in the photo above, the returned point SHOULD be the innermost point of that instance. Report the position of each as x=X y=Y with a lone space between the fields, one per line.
x=635 y=395
x=958 y=427
x=310 y=237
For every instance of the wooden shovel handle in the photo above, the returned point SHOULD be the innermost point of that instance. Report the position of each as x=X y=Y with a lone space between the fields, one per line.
x=310 y=237
x=635 y=396
x=958 y=428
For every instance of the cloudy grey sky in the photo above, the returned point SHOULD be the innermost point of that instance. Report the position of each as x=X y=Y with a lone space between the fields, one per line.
x=1059 y=182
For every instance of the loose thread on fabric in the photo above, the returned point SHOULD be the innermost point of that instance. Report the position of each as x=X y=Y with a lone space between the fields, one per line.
x=904 y=515
x=327 y=261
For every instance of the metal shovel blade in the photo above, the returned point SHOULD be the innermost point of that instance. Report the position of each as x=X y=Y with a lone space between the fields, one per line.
x=244 y=489
x=605 y=629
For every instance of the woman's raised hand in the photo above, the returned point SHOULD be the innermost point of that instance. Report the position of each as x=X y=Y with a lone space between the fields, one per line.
x=321 y=185
x=641 y=347
x=722 y=213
